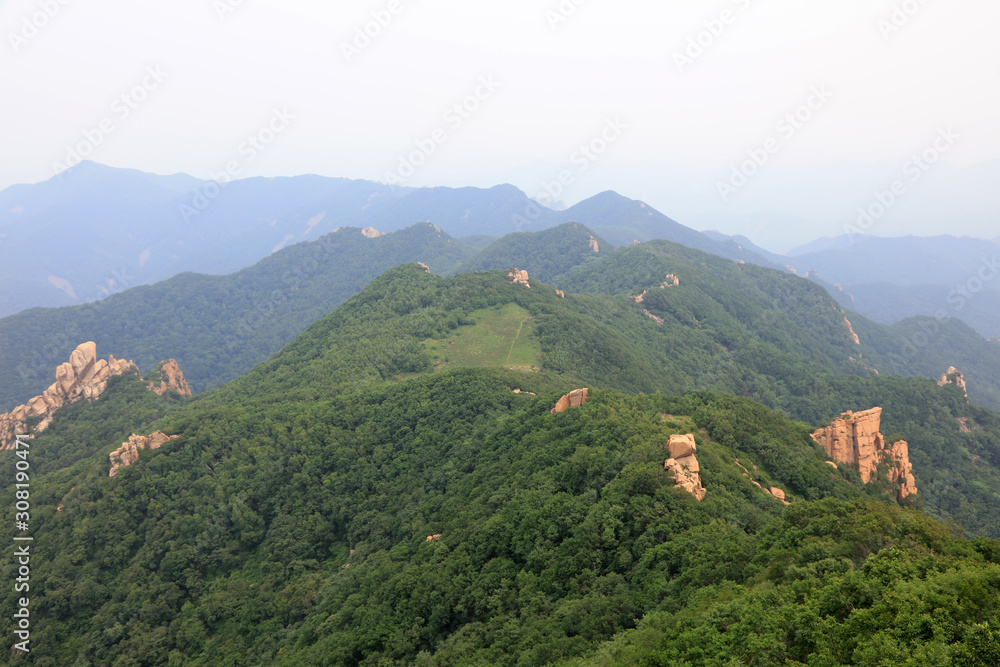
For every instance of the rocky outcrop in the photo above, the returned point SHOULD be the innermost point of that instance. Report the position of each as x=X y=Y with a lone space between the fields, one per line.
x=128 y=453
x=426 y=268
x=955 y=377
x=684 y=465
x=560 y=294
x=671 y=281
x=83 y=378
x=519 y=277
x=855 y=440
x=370 y=233
x=778 y=494
x=168 y=377
x=593 y=244
x=434 y=538
x=573 y=399
x=850 y=330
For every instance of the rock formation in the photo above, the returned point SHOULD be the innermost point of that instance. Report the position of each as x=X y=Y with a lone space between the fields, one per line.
x=955 y=377
x=426 y=268
x=519 y=277
x=778 y=493
x=83 y=377
x=684 y=465
x=434 y=538
x=168 y=377
x=370 y=233
x=671 y=281
x=128 y=453
x=573 y=399
x=593 y=244
x=560 y=294
x=854 y=439
x=850 y=330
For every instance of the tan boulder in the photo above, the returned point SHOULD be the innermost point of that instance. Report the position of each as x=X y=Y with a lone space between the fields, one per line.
x=855 y=439
x=955 y=377
x=681 y=446
x=519 y=277
x=83 y=378
x=128 y=453
x=573 y=399
x=684 y=465
x=779 y=494
x=370 y=233
x=169 y=377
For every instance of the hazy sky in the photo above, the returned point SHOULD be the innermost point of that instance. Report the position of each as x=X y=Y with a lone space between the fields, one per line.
x=670 y=98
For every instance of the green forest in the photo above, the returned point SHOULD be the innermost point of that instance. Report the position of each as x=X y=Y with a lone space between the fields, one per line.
x=366 y=498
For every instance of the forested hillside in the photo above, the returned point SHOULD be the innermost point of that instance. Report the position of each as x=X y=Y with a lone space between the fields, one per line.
x=365 y=498
x=217 y=327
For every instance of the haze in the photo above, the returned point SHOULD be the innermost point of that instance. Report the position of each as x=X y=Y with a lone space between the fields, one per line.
x=885 y=82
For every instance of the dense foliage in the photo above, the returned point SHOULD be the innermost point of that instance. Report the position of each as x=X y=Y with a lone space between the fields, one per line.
x=289 y=522
x=217 y=327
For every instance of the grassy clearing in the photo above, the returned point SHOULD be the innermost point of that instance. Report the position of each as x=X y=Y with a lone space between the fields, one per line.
x=502 y=336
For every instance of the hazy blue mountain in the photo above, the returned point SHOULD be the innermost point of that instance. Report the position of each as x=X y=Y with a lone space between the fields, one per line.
x=96 y=230
x=821 y=245
x=747 y=244
x=887 y=303
x=910 y=260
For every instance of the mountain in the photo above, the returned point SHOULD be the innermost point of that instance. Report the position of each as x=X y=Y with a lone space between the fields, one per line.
x=623 y=221
x=220 y=327
x=544 y=255
x=745 y=243
x=905 y=261
x=891 y=279
x=395 y=487
x=887 y=303
x=217 y=327
x=96 y=230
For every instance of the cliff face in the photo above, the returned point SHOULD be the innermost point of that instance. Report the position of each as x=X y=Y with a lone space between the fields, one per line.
x=519 y=277
x=83 y=377
x=855 y=439
x=573 y=399
x=684 y=465
x=169 y=377
x=128 y=453
x=955 y=377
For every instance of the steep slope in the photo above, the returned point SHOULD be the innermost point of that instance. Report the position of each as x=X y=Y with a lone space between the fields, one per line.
x=348 y=503
x=217 y=327
x=544 y=255
x=623 y=221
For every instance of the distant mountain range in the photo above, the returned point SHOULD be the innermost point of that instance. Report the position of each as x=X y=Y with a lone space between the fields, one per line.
x=220 y=327
x=96 y=230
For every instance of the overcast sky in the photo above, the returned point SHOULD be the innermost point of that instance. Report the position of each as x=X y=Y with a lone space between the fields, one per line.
x=670 y=97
